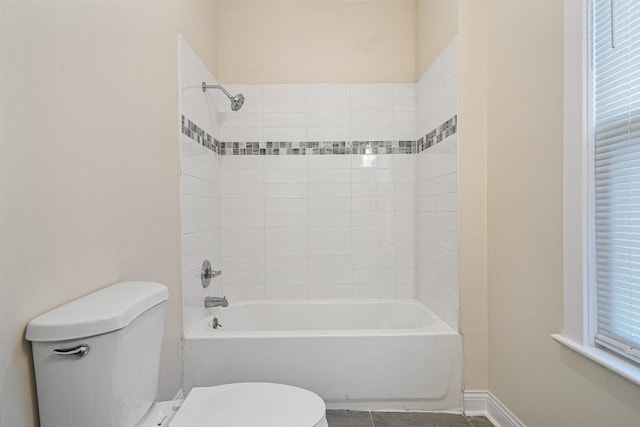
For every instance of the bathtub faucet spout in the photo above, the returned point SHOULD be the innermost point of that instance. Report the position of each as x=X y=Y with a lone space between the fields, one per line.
x=215 y=302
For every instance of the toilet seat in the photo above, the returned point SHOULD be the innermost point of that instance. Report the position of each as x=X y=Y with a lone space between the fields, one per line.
x=249 y=405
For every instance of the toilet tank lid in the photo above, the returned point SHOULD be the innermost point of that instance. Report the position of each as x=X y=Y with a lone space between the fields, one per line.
x=105 y=310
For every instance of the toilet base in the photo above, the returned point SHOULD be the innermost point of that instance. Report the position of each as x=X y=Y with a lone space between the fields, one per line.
x=160 y=414
x=241 y=405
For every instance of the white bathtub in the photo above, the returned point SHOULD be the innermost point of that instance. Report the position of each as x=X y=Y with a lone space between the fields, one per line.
x=370 y=354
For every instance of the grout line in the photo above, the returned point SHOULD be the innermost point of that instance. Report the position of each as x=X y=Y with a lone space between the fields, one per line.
x=467 y=419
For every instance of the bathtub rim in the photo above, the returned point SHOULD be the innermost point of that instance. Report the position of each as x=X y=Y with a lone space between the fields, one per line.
x=438 y=327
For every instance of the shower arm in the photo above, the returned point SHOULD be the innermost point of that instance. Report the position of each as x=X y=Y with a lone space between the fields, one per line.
x=206 y=86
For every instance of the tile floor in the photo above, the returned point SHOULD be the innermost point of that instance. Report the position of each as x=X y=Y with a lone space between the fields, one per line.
x=402 y=419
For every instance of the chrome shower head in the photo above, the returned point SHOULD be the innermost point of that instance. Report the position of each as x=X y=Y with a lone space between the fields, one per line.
x=236 y=101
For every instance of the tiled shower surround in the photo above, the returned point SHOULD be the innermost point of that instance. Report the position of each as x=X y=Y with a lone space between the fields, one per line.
x=321 y=191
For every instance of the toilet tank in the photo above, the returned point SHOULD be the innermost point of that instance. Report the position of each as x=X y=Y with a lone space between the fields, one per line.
x=97 y=359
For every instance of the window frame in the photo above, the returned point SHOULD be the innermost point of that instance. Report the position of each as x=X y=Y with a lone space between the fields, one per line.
x=580 y=305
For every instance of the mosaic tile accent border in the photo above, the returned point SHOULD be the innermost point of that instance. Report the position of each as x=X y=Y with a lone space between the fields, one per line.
x=317 y=147
x=200 y=136
x=271 y=148
x=445 y=130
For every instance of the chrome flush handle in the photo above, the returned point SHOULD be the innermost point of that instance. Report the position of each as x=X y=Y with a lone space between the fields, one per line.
x=80 y=351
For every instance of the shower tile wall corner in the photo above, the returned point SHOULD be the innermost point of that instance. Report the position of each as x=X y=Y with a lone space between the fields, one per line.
x=436 y=192
x=199 y=186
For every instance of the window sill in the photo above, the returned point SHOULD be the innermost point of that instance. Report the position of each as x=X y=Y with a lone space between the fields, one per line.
x=621 y=367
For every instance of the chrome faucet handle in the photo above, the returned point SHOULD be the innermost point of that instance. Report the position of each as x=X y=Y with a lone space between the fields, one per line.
x=207 y=273
x=212 y=274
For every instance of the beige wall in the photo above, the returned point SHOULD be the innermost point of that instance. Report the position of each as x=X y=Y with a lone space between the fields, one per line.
x=316 y=41
x=89 y=184
x=198 y=23
x=542 y=382
x=436 y=26
x=472 y=187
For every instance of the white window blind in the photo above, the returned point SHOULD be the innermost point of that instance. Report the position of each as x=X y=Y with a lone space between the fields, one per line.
x=616 y=98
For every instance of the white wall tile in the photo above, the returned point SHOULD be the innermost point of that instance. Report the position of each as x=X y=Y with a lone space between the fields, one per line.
x=285 y=120
x=330 y=233
x=243 y=176
x=236 y=249
x=329 y=176
x=243 y=234
x=325 y=226
x=328 y=134
x=242 y=162
x=243 y=263
x=242 y=191
x=286 y=219
x=240 y=278
x=329 y=162
x=329 y=204
x=405 y=105
x=328 y=91
x=330 y=262
x=286 y=262
x=330 y=276
x=372 y=175
x=328 y=105
x=374 y=291
x=329 y=190
x=286 y=234
x=243 y=219
x=374 y=104
x=285 y=205
x=360 y=90
x=376 y=120
x=327 y=119
x=285 y=190
x=241 y=134
x=372 y=190
x=286 y=248
x=285 y=134
x=285 y=105
x=329 y=247
x=329 y=219
x=243 y=205
x=198 y=204
x=241 y=119
x=285 y=91
x=285 y=176
x=286 y=162
x=323 y=292
x=401 y=90
x=287 y=292
x=371 y=161
x=286 y=277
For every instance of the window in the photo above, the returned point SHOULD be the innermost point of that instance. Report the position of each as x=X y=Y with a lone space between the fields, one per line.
x=615 y=50
x=601 y=229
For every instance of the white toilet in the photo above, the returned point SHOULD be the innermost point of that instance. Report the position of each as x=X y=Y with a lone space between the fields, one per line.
x=97 y=362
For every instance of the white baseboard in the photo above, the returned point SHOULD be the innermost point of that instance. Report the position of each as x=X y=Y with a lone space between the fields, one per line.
x=483 y=403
